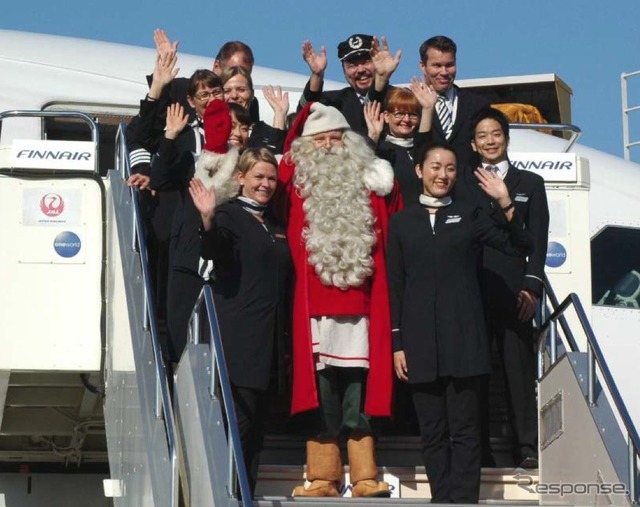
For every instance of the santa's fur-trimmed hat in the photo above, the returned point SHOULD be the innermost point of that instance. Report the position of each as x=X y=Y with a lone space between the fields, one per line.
x=323 y=119
x=216 y=166
x=316 y=118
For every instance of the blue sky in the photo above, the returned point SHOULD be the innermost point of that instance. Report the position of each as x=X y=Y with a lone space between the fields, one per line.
x=587 y=43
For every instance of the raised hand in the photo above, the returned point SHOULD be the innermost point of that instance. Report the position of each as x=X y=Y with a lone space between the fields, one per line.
x=384 y=62
x=494 y=187
x=176 y=121
x=425 y=93
x=317 y=62
x=204 y=201
x=375 y=122
x=279 y=102
x=163 y=45
x=164 y=72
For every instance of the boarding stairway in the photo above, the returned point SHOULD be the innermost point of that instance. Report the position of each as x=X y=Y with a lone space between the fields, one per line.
x=614 y=463
x=170 y=451
x=199 y=412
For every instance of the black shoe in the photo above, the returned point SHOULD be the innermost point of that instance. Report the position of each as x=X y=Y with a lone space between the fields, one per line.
x=529 y=463
x=488 y=461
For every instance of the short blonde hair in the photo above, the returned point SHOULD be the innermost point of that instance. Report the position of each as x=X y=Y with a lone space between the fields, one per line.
x=251 y=156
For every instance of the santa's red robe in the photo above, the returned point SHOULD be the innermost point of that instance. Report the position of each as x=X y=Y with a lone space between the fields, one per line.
x=312 y=298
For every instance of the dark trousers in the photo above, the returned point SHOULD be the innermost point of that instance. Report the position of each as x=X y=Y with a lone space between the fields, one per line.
x=183 y=289
x=447 y=411
x=252 y=411
x=341 y=393
x=515 y=346
x=157 y=212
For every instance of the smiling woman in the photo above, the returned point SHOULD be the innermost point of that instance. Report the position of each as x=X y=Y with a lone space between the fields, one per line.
x=438 y=174
x=237 y=86
x=259 y=182
x=401 y=116
x=252 y=261
x=439 y=338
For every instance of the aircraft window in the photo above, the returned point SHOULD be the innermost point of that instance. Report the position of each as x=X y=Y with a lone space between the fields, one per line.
x=72 y=129
x=615 y=267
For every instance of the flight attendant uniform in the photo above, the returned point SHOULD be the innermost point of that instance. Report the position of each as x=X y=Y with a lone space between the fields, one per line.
x=438 y=321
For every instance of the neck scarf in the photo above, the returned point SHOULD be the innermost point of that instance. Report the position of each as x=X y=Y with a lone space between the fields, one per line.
x=252 y=206
x=435 y=202
x=404 y=142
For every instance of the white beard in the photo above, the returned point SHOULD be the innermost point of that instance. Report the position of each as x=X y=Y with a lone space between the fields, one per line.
x=340 y=233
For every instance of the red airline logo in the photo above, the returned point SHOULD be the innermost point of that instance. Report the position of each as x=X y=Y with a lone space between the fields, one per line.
x=52 y=205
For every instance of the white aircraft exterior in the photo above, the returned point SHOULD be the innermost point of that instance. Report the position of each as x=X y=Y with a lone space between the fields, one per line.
x=106 y=80
x=47 y=71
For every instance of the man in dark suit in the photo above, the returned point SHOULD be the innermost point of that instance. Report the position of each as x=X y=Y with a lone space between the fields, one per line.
x=367 y=66
x=455 y=107
x=512 y=286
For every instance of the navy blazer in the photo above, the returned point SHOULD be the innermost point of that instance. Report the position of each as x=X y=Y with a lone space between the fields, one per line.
x=253 y=269
x=171 y=169
x=505 y=276
x=436 y=305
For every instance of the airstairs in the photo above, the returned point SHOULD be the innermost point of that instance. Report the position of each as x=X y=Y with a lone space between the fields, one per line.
x=168 y=450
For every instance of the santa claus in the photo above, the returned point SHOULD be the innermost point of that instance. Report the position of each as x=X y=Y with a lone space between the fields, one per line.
x=336 y=197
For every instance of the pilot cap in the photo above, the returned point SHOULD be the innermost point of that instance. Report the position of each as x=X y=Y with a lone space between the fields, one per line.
x=356 y=46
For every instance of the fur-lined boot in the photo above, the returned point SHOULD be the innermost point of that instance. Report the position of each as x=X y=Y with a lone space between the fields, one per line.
x=324 y=469
x=363 y=470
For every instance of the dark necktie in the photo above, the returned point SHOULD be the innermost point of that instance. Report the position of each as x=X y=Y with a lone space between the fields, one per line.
x=444 y=115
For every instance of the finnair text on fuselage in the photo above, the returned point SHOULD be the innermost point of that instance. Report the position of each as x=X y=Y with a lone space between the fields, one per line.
x=54 y=155
x=530 y=165
x=553 y=167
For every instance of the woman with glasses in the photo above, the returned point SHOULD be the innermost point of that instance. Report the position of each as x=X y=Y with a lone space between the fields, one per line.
x=404 y=123
x=161 y=206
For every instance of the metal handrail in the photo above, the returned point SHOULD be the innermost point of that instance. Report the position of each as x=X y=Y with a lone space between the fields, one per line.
x=163 y=406
x=553 y=299
x=236 y=467
x=562 y=127
x=595 y=356
x=627 y=144
x=93 y=127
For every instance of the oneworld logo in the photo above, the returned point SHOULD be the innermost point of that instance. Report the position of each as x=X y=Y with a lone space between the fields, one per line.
x=556 y=255
x=67 y=244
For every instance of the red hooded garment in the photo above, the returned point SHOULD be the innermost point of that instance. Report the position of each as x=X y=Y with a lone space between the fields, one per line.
x=311 y=298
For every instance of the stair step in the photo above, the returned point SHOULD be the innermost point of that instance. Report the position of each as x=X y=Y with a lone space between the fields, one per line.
x=315 y=502
x=497 y=484
x=369 y=502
